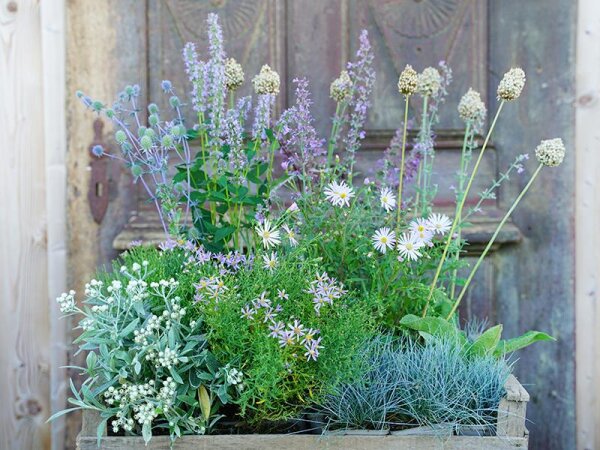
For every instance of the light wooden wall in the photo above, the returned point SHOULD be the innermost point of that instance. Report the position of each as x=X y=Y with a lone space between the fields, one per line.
x=32 y=221
x=587 y=155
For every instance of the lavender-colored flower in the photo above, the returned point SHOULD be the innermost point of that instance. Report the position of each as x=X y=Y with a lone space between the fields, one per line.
x=363 y=78
x=286 y=338
x=197 y=74
x=233 y=133
x=269 y=315
x=169 y=244
x=303 y=150
x=217 y=89
x=247 y=312
x=296 y=328
x=262 y=116
x=276 y=329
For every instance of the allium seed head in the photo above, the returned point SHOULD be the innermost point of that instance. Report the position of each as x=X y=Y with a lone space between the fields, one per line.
x=512 y=84
x=550 y=152
x=266 y=82
x=429 y=82
x=407 y=82
x=341 y=87
x=234 y=74
x=471 y=108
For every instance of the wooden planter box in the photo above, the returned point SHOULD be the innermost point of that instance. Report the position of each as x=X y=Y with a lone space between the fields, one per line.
x=510 y=434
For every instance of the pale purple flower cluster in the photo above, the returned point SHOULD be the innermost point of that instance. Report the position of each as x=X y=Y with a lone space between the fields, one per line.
x=197 y=72
x=325 y=290
x=262 y=115
x=233 y=133
x=363 y=78
x=263 y=305
x=302 y=149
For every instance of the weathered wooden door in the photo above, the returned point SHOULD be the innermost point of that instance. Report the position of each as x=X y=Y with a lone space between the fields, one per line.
x=528 y=281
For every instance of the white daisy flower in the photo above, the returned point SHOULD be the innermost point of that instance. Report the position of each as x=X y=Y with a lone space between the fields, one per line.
x=291 y=235
x=270 y=261
x=409 y=245
x=384 y=239
x=439 y=223
x=422 y=230
x=269 y=234
x=388 y=199
x=339 y=194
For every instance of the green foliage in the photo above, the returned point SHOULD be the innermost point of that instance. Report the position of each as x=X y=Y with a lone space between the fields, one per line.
x=402 y=382
x=280 y=381
x=487 y=343
x=147 y=358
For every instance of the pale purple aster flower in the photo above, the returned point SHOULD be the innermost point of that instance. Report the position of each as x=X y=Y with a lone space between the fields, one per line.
x=247 y=312
x=269 y=315
x=282 y=295
x=286 y=338
x=263 y=301
x=135 y=243
x=296 y=328
x=310 y=336
x=169 y=244
x=278 y=308
x=276 y=329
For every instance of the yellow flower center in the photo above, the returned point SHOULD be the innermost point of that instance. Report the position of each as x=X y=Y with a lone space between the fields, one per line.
x=384 y=240
x=343 y=195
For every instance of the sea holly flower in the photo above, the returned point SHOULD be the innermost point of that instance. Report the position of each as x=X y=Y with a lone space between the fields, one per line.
x=409 y=245
x=384 y=239
x=339 y=194
x=439 y=223
x=270 y=261
x=291 y=235
x=388 y=199
x=269 y=234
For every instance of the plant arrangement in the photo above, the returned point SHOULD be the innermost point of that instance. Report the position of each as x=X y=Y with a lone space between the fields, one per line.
x=284 y=285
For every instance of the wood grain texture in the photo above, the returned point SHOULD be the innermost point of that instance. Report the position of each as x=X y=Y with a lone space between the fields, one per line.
x=24 y=309
x=52 y=15
x=535 y=280
x=106 y=50
x=587 y=221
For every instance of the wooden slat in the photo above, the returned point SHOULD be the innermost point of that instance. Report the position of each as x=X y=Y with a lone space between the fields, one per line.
x=535 y=280
x=54 y=73
x=24 y=310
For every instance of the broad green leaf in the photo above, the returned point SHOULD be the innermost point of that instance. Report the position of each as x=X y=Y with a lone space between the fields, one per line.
x=147 y=432
x=514 y=344
x=487 y=342
x=432 y=325
x=224 y=232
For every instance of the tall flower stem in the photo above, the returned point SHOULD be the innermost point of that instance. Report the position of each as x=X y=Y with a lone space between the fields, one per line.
x=491 y=242
x=424 y=129
x=460 y=208
x=461 y=185
x=333 y=136
x=403 y=151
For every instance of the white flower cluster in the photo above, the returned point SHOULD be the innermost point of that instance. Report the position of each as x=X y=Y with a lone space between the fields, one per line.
x=550 y=152
x=341 y=87
x=66 y=302
x=93 y=289
x=429 y=82
x=141 y=336
x=234 y=377
x=266 y=82
x=234 y=74
x=167 y=392
x=420 y=234
x=511 y=85
x=408 y=80
x=137 y=290
x=166 y=358
x=471 y=108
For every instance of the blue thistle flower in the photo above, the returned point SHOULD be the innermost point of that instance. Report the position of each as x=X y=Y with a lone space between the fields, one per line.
x=166 y=86
x=98 y=150
x=174 y=102
x=153 y=108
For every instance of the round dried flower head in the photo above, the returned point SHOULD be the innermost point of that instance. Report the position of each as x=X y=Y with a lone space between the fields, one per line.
x=550 y=152
x=471 y=108
x=341 y=87
x=407 y=83
x=234 y=74
x=266 y=82
x=429 y=82
x=512 y=84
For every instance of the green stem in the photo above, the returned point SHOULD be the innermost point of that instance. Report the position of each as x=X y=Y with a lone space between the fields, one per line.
x=401 y=178
x=461 y=184
x=491 y=242
x=460 y=208
x=423 y=165
x=332 y=137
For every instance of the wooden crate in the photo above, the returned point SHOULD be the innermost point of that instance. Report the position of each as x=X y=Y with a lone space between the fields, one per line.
x=511 y=433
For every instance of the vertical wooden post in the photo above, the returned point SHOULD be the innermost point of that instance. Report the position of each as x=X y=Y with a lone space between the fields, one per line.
x=587 y=200
x=24 y=311
x=512 y=410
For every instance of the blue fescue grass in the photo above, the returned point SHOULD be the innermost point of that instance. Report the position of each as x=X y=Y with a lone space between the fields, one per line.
x=402 y=382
